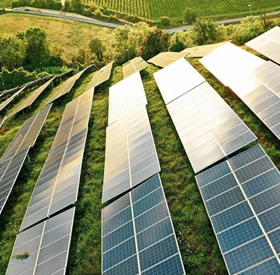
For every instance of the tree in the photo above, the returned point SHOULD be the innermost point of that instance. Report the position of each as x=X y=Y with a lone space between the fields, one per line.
x=37 y=47
x=190 y=15
x=165 y=21
x=156 y=42
x=76 y=6
x=98 y=47
x=266 y=22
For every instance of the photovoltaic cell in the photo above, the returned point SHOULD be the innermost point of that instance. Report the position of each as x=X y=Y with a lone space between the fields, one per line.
x=267 y=44
x=47 y=245
x=100 y=76
x=254 y=80
x=58 y=183
x=125 y=95
x=137 y=234
x=29 y=101
x=208 y=128
x=14 y=157
x=131 y=156
x=245 y=218
x=177 y=79
x=67 y=86
x=166 y=58
x=135 y=65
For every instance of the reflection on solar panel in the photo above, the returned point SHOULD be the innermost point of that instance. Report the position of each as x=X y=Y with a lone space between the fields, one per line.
x=2 y=121
x=29 y=101
x=125 y=95
x=58 y=183
x=67 y=85
x=209 y=129
x=177 y=79
x=242 y=197
x=137 y=234
x=166 y=58
x=200 y=51
x=268 y=44
x=47 y=245
x=11 y=98
x=100 y=76
x=14 y=157
x=131 y=156
x=135 y=65
x=252 y=79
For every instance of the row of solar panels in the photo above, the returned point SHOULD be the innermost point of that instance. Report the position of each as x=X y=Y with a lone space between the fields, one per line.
x=137 y=232
x=48 y=221
x=241 y=194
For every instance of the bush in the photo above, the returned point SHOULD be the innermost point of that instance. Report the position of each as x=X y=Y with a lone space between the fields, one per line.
x=190 y=15
x=165 y=21
x=98 y=13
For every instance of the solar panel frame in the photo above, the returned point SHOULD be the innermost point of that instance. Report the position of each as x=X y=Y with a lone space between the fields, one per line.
x=134 y=159
x=57 y=190
x=50 y=237
x=177 y=79
x=135 y=65
x=164 y=59
x=236 y=228
x=2 y=121
x=123 y=216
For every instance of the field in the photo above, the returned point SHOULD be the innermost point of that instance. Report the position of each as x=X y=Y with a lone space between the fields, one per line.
x=154 y=9
x=68 y=34
x=199 y=249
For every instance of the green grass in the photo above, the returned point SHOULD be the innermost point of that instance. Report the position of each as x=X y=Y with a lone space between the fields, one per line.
x=196 y=239
x=154 y=9
x=68 y=34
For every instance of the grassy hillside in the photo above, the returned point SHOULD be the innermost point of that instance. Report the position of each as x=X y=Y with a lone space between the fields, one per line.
x=153 y=9
x=196 y=239
x=68 y=34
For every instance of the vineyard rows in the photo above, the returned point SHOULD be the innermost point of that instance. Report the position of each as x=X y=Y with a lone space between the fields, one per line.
x=153 y=9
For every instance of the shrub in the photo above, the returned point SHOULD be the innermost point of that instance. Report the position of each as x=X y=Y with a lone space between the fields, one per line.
x=165 y=21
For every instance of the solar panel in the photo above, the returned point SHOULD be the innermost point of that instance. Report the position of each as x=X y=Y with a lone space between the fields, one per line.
x=131 y=156
x=14 y=157
x=177 y=79
x=11 y=98
x=2 y=121
x=242 y=197
x=209 y=129
x=137 y=234
x=252 y=79
x=67 y=86
x=100 y=76
x=58 y=183
x=30 y=100
x=268 y=44
x=124 y=95
x=200 y=51
x=47 y=245
x=135 y=65
x=166 y=58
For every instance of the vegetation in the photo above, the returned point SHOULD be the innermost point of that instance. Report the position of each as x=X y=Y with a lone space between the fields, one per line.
x=190 y=15
x=22 y=256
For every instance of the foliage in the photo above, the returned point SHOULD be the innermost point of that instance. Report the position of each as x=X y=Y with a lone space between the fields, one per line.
x=22 y=256
x=165 y=21
x=190 y=15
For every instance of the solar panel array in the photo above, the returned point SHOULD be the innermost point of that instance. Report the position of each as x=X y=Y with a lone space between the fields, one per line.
x=47 y=245
x=131 y=156
x=124 y=95
x=30 y=100
x=242 y=197
x=135 y=65
x=14 y=157
x=2 y=121
x=166 y=58
x=177 y=79
x=268 y=44
x=252 y=79
x=200 y=51
x=137 y=234
x=209 y=129
x=100 y=76
x=58 y=183
x=67 y=85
